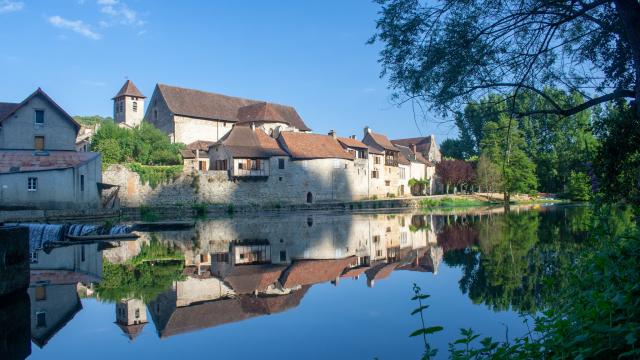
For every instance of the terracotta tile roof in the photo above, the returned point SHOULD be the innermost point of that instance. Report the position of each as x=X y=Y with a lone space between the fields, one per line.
x=6 y=110
x=245 y=142
x=353 y=272
x=129 y=89
x=270 y=113
x=201 y=145
x=308 y=272
x=380 y=271
x=199 y=316
x=352 y=143
x=27 y=160
x=312 y=146
x=378 y=140
x=272 y=304
x=61 y=277
x=246 y=279
x=212 y=106
x=131 y=331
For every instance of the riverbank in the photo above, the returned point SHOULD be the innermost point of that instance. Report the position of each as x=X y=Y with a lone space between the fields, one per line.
x=431 y=203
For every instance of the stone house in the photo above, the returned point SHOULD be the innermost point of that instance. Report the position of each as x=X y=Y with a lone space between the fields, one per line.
x=322 y=169
x=384 y=164
x=195 y=158
x=247 y=152
x=419 y=169
x=188 y=115
x=425 y=145
x=39 y=164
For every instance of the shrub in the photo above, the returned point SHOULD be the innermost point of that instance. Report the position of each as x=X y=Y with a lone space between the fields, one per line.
x=154 y=175
x=579 y=187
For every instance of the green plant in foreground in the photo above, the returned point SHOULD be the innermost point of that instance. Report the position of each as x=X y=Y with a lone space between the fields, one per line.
x=418 y=296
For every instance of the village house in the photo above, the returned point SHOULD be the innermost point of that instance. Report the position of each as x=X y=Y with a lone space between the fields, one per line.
x=420 y=169
x=188 y=115
x=385 y=172
x=39 y=164
x=426 y=146
x=195 y=158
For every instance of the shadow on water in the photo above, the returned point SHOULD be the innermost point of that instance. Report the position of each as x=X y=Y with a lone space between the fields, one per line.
x=234 y=269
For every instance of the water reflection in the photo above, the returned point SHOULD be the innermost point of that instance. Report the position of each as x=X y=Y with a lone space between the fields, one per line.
x=233 y=269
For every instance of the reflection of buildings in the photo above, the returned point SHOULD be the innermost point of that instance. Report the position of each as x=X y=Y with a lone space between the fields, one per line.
x=53 y=287
x=131 y=316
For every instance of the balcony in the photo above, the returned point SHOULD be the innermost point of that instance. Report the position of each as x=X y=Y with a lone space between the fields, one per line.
x=391 y=162
x=251 y=172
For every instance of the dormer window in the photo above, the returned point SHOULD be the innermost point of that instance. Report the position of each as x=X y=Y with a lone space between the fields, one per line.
x=39 y=117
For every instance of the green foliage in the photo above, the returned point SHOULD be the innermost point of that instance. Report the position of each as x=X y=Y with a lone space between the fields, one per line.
x=145 y=145
x=200 y=209
x=145 y=276
x=504 y=144
x=155 y=174
x=148 y=214
x=91 y=120
x=231 y=208
x=391 y=195
x=449 y=202
x=453 y=149
x=587 y=291
x=429 y=352
x=617 y=164
x=579 y=187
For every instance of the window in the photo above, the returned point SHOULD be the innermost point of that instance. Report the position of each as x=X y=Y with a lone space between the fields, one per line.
x=336 y=164
x=220 y=165
x=283 y=255
x=280 y=163
x=41 y=293
x=33 y=257
x=376 y=238
x=81 y=182
x=202 y=165
x=387 y=183
x=39 y=117
x=137 y=313
x=41 y=319
x=375 y=174
x=135 y=106
x=38 y=142
x=404 y=239
x=378 y=253
x=402 y=174
x=376 y=160
x=82 y=253
x=32 y=184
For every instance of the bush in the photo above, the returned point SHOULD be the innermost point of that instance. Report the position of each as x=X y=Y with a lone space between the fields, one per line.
x=155 y=175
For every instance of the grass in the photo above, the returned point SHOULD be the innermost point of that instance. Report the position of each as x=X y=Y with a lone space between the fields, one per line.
x=453 y=202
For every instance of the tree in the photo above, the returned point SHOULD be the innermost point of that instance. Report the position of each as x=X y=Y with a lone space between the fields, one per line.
x=489 y=177
x=503 y=144
x=579 y=188
x=455 y=173
x=453 y=149
x=448 y=53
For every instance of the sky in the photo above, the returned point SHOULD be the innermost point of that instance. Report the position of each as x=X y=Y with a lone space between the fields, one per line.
x=310 y=55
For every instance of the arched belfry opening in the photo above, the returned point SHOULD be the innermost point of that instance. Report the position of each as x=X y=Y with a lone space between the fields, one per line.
x=309 y=197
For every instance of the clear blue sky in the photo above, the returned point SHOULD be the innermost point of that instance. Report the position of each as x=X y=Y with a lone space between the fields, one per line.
x=310 y=55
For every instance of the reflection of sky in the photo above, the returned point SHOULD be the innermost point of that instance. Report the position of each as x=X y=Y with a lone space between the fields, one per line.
x=347 y=321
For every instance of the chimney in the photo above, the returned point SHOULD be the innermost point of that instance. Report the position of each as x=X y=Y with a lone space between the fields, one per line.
x=253 y=126
x=332 y=133
x=413 y=148
x=353 y=137
x=367 y=130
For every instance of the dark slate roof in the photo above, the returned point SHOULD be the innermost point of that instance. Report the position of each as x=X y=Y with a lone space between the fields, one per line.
x=271 y=113
x=380 y=271
x=212 y=106
x=352 y=143
x=378 y=140
x=407 y=154
x=422 y=143
x=12 y=161
x=245 y=142
x=312 y=146
x=8 y=109
x=272 y=304
x=129 y=89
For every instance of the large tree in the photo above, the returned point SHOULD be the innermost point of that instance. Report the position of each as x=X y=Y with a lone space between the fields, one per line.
x=448 y=53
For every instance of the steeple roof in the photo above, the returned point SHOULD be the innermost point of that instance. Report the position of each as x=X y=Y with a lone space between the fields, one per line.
x=129 y=89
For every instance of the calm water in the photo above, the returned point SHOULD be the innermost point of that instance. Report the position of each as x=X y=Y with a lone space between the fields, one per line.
x=308 y=285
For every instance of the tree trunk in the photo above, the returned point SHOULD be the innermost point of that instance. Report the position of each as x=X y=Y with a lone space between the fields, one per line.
x=629 y=13
x=507 y=201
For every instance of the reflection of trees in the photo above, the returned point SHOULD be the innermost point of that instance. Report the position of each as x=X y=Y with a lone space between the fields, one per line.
x=144 y=276
x=521 y=257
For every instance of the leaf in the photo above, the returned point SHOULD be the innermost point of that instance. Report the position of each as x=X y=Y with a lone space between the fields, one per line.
x=421 y=297
x=420 y=309
x=427 y=331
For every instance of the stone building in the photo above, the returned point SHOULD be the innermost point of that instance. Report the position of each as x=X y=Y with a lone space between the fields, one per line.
x=195 y=158
x=39 y=164
x=426 y=145
x=188 y=115
x=128 y=105
x=385 y=173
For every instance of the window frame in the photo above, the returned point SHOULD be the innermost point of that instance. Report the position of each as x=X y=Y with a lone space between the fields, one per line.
x=32 y=183
x=35 y=116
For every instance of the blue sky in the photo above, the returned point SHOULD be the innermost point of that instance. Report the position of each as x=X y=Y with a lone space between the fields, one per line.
x=310 y=55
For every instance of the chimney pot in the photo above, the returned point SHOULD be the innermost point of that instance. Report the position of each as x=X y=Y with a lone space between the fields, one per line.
x=332 y=133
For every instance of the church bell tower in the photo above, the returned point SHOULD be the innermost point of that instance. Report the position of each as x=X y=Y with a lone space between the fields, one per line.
x=128 y=105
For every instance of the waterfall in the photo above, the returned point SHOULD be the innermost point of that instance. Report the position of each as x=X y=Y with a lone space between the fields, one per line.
x=119 y=229
x=81 y=229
